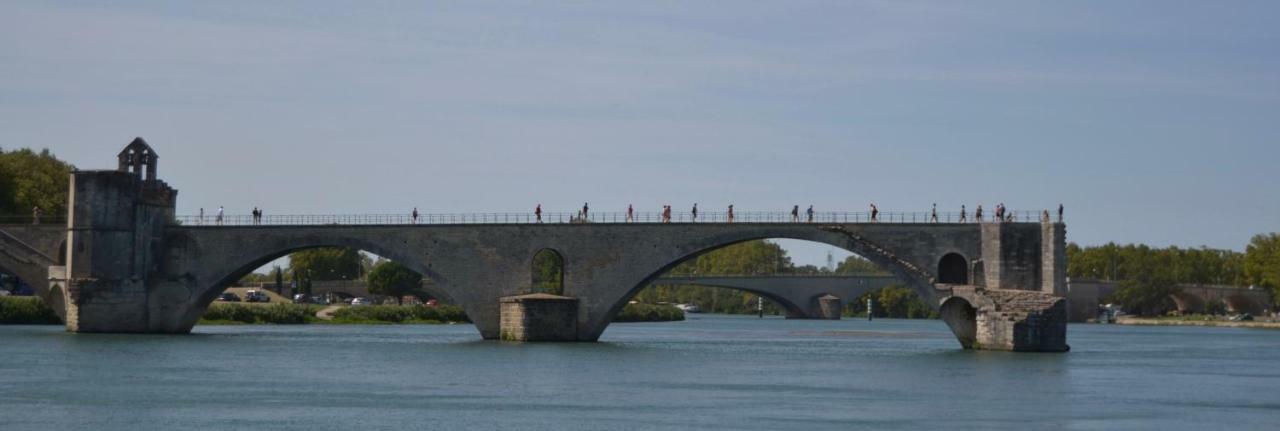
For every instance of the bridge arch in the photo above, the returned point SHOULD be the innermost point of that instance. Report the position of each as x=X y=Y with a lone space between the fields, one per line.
x=1187 y=303
x=962 y=317
x=953 y=268
x=221 y=267
x=910 y=273
x=790 y=305
x=1238 y=303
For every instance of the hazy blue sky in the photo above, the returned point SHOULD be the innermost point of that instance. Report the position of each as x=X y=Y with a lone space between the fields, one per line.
x=1154 y=121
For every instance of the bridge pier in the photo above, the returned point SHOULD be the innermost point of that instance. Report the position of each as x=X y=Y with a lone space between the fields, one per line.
x=1010 y=320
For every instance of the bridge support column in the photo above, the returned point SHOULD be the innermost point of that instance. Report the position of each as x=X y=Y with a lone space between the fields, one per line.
x=539 y=317
x=1010 y=320
x=829 y=307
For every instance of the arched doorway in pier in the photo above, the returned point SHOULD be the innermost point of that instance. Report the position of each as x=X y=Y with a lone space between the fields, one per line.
x=547 y=272
x=953 y=269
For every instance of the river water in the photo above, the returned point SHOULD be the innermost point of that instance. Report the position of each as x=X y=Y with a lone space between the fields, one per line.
x=710 y=372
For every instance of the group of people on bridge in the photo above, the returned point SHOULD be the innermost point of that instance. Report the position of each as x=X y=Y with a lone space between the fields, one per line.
x=1002 y=214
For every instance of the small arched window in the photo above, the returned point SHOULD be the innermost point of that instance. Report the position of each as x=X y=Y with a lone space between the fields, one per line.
x=548 y=272
x=953 y=269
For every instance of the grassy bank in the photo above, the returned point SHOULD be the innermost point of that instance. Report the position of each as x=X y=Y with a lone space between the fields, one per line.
x=400 y=314
x=649 y=313
x=26 y=310
x=284 y=314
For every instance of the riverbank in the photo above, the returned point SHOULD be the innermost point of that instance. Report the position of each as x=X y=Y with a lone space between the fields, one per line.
x=1136 y=321
x=26 y=310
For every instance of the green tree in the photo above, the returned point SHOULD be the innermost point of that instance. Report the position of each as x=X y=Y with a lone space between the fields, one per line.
x=1262 y=262
x=29 y=179
x=279 y=280
x=392 y=279
x=897 y=302
x=327 y=263
x=858 y=265
x=548 y=272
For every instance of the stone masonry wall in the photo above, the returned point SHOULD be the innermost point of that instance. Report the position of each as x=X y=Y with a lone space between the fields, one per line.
x=538 y=317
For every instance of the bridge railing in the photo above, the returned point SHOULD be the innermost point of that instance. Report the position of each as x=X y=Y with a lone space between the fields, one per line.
x=591 y=217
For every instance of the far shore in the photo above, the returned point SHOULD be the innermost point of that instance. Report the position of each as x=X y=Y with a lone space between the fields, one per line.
x=1187 y=322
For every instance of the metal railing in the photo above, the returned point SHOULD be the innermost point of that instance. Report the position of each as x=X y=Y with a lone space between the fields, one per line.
x=764 y=217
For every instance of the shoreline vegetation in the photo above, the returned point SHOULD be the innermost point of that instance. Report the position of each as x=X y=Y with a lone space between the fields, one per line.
x=29 y=310
x=26 y=310
x=1206 y=321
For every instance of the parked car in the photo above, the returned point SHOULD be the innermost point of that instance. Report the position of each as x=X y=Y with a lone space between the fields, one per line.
x=301 y=299
x=256 y=296
x=319 y=300
x=361 y=301
x=228 y=297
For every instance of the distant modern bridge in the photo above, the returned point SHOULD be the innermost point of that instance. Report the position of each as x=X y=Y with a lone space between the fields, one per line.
x=124 y=262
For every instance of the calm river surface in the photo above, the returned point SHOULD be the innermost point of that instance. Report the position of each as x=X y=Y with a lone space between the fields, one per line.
x=710 y=372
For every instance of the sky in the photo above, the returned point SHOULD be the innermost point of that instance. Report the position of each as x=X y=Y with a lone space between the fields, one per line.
x=1153 y=122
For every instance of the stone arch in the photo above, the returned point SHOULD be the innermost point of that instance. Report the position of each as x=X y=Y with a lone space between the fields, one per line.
x=953 y=268
x=962 y=317
x=1240 y=303
x=1187 y=303
x=227 y=267
x=793 y=309
x=546 y=270
x=915 y=278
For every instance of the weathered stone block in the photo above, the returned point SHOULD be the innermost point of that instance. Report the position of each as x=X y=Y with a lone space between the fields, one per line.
x=538 y=317
x=829 y=307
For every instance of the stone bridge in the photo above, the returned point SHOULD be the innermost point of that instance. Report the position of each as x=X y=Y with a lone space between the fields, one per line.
x=130 y=266
x=802 y=296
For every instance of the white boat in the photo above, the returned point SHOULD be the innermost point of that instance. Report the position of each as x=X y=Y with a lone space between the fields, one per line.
x=689 y=308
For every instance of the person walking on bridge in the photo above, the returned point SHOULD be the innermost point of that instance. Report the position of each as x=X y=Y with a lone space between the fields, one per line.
x=962 y=214
x=1059 y=213
x=875 y=213
x=809 y=212
x=631 y=213
x=694 y=213
x=219 y=217
x=730 y=213
x=35 y=214
x=584 y=211
x=415 y=215
x=537 y=213
x=666 y=213
x=795 y=214
x=977 y=214
x=200 y=220
x=256 y=217
x=933 y=213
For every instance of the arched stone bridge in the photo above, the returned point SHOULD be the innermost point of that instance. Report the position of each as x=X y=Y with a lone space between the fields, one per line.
x=800 y=295
x=130 y=268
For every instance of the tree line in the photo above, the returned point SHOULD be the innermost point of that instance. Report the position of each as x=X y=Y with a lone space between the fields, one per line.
x=1147 y=275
